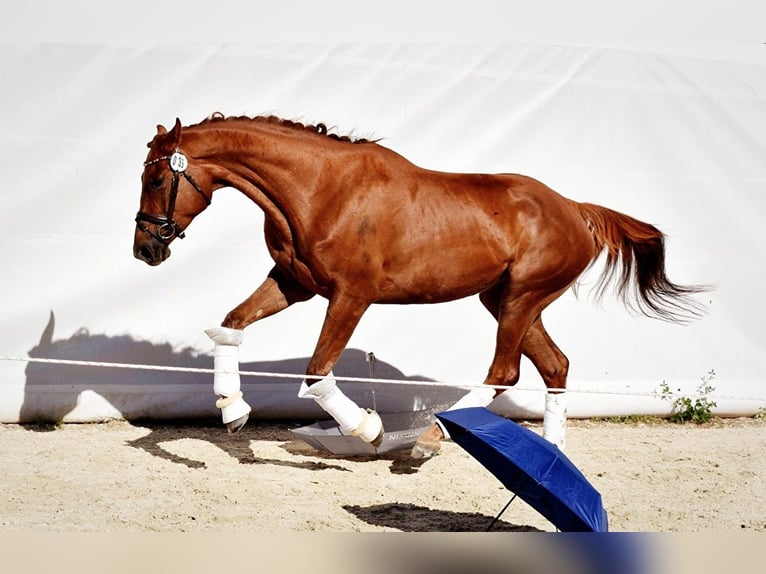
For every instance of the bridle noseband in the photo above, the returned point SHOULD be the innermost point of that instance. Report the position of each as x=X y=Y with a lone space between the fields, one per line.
x=168 y=228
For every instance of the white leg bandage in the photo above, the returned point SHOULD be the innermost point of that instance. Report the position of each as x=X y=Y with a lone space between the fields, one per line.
x=479 y=397
x=351 y=418
x=226 y=378
x=555 y=418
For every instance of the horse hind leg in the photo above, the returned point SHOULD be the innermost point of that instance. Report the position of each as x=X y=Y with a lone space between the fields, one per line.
x=553 y=367
x=511 y=315
x=428 y=443
x=520 y=330
x=549 y=361
x=547 y=358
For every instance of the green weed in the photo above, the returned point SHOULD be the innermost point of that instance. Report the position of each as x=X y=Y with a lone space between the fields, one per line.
x=695 y=409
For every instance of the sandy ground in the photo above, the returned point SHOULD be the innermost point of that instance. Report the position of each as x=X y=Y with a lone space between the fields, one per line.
x=117 y=476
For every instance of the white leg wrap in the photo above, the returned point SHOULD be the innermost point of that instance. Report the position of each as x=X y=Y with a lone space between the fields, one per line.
x=479 y=397
x=226 y=378
x=225 y=336
x=226 y=363
x=351 y=418
x=555 y=418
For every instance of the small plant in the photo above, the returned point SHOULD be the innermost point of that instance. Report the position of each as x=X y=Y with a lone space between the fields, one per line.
x=630 y=419
x=697 y=410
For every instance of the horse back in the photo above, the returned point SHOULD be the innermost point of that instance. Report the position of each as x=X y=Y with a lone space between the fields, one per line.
x=401 y=233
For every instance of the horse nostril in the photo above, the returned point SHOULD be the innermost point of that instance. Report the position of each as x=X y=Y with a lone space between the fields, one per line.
x=144 y=254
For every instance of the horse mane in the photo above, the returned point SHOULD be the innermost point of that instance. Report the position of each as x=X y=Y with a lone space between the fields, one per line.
x=319 y=128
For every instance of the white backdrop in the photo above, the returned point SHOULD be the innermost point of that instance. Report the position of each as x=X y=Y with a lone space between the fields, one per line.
x=673 y=137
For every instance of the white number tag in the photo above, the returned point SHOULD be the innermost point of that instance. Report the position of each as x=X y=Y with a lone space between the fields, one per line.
x=178 y=162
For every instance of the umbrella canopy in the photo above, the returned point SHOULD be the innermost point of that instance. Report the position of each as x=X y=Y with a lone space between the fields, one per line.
x=530 y=466
x=401 y=430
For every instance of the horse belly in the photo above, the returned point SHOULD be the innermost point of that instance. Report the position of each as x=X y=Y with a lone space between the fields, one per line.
x=437 y=250
x=440 y=276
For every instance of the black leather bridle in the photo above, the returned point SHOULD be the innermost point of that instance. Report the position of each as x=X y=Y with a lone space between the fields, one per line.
x=168 y=229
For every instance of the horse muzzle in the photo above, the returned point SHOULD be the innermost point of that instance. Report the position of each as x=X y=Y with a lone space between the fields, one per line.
x=151 y=251
x=150 y=244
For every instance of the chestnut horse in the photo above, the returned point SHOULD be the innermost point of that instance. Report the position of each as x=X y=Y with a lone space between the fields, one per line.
x=358 y=224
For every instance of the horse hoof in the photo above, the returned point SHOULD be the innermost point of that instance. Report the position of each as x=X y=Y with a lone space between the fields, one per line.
x=371 y=428
x=425 y=449
x=236 y=425
x=428 y=443
x=378 y=439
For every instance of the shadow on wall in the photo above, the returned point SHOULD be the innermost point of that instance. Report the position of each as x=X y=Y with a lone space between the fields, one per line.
x=72 y=393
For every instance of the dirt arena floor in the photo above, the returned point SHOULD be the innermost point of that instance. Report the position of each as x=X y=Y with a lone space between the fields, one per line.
x=118 y=477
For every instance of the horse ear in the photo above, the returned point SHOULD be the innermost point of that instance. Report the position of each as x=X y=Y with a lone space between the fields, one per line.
x=175 y=134
x=167 y=139
x=161 y=131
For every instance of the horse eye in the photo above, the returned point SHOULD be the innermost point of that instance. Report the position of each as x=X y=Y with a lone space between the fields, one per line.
x=155 y=183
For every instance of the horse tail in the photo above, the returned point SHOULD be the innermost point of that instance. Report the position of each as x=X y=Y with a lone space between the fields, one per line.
x=635 y=259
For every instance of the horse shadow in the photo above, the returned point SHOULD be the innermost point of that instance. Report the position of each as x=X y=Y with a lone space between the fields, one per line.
x=237 y=446
x=53 y=392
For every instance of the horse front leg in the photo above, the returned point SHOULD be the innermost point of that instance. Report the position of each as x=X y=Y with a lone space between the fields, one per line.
x=343 y=314
x=276 y=293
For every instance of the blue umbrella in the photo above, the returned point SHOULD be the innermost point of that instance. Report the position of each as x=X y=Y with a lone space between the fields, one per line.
x=530 y=466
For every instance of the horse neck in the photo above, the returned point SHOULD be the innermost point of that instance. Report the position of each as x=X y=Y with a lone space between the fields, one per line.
x=276 y=170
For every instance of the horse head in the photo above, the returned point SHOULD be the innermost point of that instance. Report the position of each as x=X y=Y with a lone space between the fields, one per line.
x=168 y=205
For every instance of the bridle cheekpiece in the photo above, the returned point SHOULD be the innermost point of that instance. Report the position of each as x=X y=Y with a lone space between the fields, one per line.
x=168 y=228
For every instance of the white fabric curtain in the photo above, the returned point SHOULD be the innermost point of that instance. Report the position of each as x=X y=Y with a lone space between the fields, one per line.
x=673 y=138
